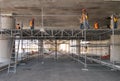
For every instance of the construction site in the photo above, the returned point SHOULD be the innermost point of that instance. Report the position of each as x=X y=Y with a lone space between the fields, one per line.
x=59 y=40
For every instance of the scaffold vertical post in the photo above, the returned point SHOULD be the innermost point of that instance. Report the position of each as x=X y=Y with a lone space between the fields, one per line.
x=101 y=47
x=42 y=17
x=40 y=48
x=113 y=43
x=85 y=56
x=56 y=57
x=78 y=49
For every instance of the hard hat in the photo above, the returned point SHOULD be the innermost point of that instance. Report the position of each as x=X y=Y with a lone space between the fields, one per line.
x=83 y=10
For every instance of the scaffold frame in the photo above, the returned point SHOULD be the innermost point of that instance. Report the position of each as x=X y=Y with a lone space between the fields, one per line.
x=64 y=34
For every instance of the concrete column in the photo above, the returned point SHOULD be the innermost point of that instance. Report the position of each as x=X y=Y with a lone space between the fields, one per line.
x=41 y=51
x=71 y=44
x=40 y=47
x=78 y=47
x=69 y=47
x=115 y=48
x=56 y=56
x=7 y=22
x=74 y=46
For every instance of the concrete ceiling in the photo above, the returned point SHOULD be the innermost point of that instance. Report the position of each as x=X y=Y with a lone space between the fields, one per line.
x=60 y=13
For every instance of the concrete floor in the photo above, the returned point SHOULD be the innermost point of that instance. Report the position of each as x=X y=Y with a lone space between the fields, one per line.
x=62 y=70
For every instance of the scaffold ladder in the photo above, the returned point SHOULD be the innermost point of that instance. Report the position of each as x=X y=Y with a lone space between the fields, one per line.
x=14 y=57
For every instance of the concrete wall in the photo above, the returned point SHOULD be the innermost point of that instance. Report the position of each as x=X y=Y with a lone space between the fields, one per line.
x=7 y=22
x=115 y=48
x=98 y=48
x=5 y=46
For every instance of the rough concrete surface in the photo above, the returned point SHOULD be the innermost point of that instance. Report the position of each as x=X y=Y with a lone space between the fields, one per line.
x=64 y=69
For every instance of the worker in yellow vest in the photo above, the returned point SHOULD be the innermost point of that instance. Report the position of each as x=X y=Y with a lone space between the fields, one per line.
x=115 y=20
x=84 y=19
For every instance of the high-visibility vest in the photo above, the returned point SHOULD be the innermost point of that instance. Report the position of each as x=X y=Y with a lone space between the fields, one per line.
x=115 y=19
x=86 y=16
x=31 y=23
x=96 y=26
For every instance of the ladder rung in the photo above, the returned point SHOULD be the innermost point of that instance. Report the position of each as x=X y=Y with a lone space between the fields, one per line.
x=13 y=59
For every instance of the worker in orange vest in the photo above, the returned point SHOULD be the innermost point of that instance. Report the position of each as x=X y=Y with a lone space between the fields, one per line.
x=96 y=25
x=31 y=23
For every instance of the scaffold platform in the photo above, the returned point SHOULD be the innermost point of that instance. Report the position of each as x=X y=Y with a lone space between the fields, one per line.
x=67 y=34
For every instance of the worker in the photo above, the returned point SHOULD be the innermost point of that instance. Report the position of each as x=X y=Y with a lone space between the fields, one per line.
x=84 y=19
x=115 y=19
x=18 y=26
x=96 y=25
x=86 y=48
x=107 y=20
x=81 y=24
x=31 y=24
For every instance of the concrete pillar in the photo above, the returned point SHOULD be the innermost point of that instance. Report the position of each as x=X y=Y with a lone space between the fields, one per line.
x=77 y=46
x=71 y=46
x=74 y=46
x=115 y=48
x=56 y=55
x=7 y=22
x=40 y=47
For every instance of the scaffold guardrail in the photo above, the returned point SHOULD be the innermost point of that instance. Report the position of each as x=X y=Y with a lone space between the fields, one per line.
x=91 y=34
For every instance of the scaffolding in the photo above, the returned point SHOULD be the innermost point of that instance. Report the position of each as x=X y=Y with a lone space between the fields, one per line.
x=67 y=34
x=64 y=34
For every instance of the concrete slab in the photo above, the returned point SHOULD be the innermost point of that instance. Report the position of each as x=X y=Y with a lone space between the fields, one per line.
x=64 y=69
x=3 y=64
